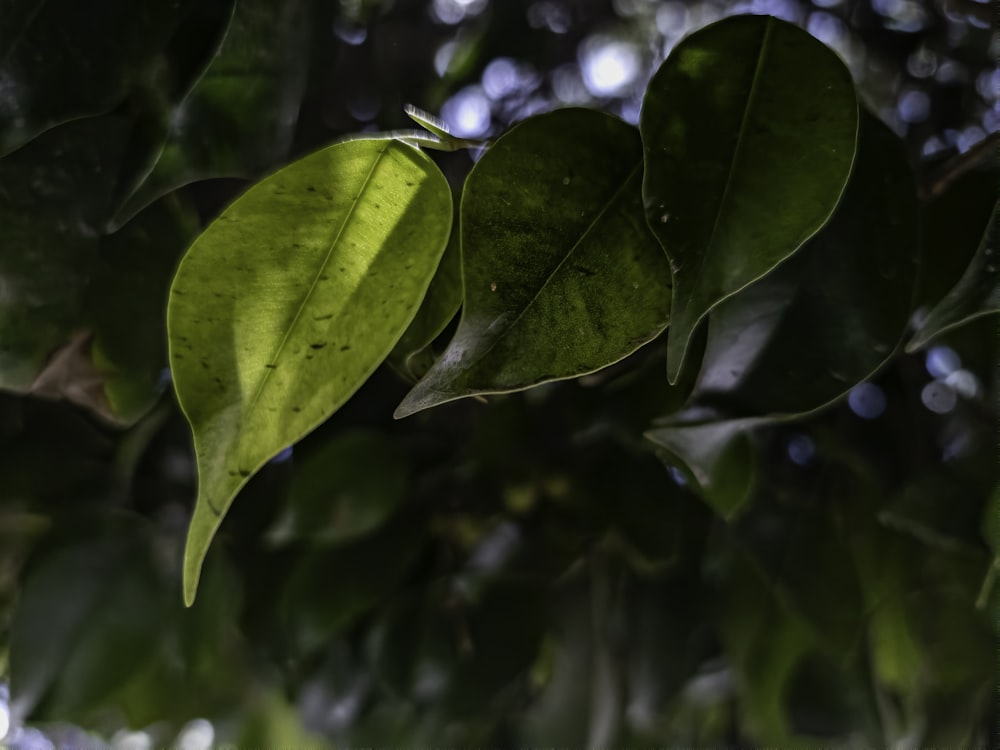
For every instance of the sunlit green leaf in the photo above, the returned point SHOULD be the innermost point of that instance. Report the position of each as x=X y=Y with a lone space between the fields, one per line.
x=976 y=294
x=749 y=130
x=561 y=275
x=290 y=300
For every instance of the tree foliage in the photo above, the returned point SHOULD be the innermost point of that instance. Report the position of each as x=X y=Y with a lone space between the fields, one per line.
x=609 y=435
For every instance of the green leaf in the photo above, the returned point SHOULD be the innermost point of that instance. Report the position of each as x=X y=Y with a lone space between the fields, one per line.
x=976 y=294
x=125 y=301
x=347 y=487
x=240 y=115
x=53 y=200
x=286 y=304
x=765 y=644
x=951 y=229
x=749 y=129
x=561 y=275
x=61 y=60
x=718 y=455
x=831 y=316
x=83 y=319
x=412 y=356
x=87 y=619
x=333 y=586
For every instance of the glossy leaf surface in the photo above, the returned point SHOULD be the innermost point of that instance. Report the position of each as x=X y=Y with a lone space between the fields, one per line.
x=561 y=275
x=749 y=130
x=290 y=300
x=832 y=315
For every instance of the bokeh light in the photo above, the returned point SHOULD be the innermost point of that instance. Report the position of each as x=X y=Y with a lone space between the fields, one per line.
x=867 y=400
x=938 y=397
x=801 y=449
x=468 y=113
x=197 y=734
x=941 y=361
x=610 y=66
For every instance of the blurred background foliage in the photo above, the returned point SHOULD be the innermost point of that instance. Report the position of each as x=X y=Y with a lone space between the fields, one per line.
x=522 y=573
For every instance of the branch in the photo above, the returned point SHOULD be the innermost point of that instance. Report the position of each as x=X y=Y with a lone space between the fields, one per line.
x=951 y=170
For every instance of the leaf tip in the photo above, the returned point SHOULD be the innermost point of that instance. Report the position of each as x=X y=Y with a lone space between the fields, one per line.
x=192 y=573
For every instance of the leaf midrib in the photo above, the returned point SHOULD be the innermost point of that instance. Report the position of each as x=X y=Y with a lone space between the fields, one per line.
x=315 y=282
x=600 y=215
x=727 y=189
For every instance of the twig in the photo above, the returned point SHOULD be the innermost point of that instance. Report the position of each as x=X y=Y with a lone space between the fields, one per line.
x=955 y=167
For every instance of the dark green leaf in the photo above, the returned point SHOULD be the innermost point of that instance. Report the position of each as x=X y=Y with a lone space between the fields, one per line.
x=749 y=130
x=829 y=317
x=976 y=294
x=290 y=300
x=412 y=356
x=718 y=455
x=124 y=304
x=331 y=587
x=561 y=275
x=582 y=701
x=61 y=60
x=54 y=197
x=87 y=619
x=239 y=118
x=84 y=317
x=951 y=228
x=449 y=646
x=345 y=488
x=766 y=645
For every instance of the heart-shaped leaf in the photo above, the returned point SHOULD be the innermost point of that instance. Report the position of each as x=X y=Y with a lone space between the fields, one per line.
x=749 y=130
x=562 y=277
x=286 y=304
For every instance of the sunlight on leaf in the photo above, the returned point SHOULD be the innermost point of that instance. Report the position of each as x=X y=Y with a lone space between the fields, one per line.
x=286 y=304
